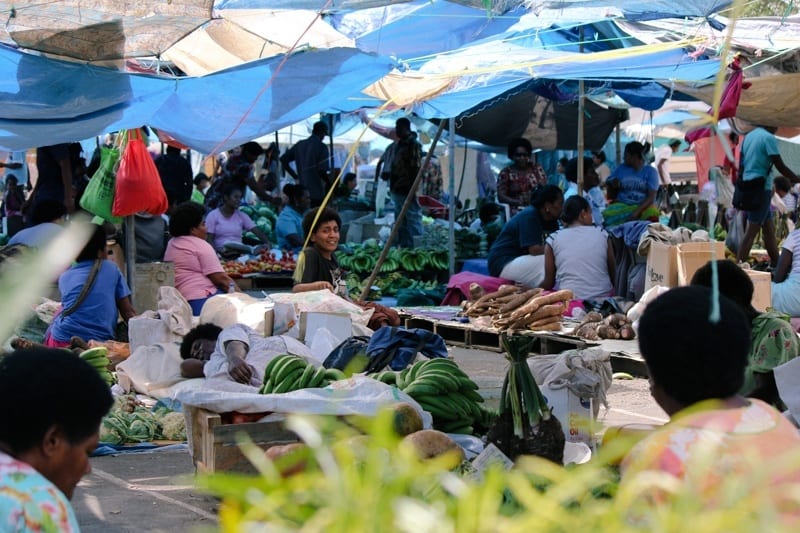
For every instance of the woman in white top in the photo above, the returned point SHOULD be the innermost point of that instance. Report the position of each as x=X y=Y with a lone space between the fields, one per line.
x=579 y=256
x=786 y=277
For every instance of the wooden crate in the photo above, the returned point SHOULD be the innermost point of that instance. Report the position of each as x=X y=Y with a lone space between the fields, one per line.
x=214 y=445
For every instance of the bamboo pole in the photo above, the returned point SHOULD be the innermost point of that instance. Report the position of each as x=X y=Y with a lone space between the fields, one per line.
x=396 y=228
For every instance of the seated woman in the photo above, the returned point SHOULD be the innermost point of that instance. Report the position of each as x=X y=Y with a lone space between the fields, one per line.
x=289 y=225
x=580 y=256
x=226 y=223
x=93 y=295
x=518 y=252
x=318 y=269
x=198 y=273
x=51 y=404
x=772 y=339
x=715 y=436
x=786 y=277
x=632 y=186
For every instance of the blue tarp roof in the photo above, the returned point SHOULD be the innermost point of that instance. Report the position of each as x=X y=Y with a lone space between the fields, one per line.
x=57 y=101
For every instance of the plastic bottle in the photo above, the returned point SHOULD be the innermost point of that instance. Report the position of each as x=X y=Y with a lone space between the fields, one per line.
x=231 y=287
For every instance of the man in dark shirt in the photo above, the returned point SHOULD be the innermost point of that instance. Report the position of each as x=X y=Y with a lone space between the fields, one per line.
x=176 y=174
x=312 y=159
x=402 y=171
x=238 y=171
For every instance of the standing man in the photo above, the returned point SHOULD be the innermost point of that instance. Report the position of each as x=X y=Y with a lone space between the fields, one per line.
x=312 y=159
x=663 y=155
x=176 y=174
x=759 y=153
x=402 y=169
x=55 y=176
x=238 y=170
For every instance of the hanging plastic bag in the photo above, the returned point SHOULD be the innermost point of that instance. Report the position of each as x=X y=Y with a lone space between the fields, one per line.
x=138 y=182
x=735 y=230
x=98 y=198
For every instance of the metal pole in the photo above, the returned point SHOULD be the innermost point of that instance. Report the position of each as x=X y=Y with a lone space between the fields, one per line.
x=406 y=205
x=617 y=140
x=451 y=234
x=130 y=254
x=581 y=148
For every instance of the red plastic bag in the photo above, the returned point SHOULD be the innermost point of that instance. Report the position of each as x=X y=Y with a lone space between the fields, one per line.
x=138 y=183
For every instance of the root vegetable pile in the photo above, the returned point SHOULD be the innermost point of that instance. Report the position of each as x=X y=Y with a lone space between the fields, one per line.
x=517 y=308
x=595 y=327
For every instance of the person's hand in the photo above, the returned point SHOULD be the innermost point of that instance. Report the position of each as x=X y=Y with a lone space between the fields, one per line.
x=320 y=285
x=239 y=370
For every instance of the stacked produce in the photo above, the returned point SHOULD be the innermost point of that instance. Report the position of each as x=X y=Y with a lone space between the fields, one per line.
x=98 y=358
x=264 y=218
x=515 y=308
x=287 y=373
x=440 y=387
x=266 y=263
x=525 y=425
x=594 y=327
x=129 y=421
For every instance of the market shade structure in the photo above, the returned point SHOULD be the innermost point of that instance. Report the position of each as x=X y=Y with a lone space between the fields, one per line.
x=58 y=101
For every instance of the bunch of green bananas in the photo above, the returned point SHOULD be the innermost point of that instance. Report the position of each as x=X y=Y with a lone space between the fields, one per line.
x=440 y=387
x=287 y=373
x=98 y=358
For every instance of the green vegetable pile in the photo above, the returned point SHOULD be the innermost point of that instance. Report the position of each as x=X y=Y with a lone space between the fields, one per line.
x=130 y=422
x=264 y=218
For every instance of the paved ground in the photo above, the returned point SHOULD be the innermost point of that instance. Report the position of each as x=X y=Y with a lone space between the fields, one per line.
x=153 y=492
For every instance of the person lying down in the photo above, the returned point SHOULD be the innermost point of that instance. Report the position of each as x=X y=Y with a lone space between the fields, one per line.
x=238 y=353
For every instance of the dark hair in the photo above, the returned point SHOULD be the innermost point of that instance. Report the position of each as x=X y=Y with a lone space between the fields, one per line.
x=402 y=121
x=545 y=195
x=734 y=283
x=202 y=331
x=689 y=357
x=519 y=143
x=571 y=170
x=782 y=183
x=563 y=162
x=350 y=176
x=228 y=189
x=635 y=148
x=319 y=127
x=41 y=388
x=185 y=217
x=487 y=211
x=573 y=207
x=200 y=177
x=326 y=215
x=47 y=210
x=675 y=142
x=601 y=155
x=294 y=191
x=96 y=244
x=173 y=149
x=252 y=148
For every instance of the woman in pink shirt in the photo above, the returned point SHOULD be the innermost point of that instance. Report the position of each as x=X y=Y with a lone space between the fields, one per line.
x=198 y=272
x=226 y=223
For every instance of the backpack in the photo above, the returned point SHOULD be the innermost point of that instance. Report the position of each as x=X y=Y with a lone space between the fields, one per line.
x=397 y=347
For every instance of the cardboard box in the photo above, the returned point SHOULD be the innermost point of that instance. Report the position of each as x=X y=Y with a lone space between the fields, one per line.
x=575 y=414
x=665 y=269
x=762 y=289
x=339 y=324
x=693 y=255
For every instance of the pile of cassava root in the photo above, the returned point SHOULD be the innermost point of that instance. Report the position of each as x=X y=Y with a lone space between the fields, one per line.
x=516 y=308
x=594 y=327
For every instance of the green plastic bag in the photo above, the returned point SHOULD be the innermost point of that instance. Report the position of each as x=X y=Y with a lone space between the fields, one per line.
x=98 y=198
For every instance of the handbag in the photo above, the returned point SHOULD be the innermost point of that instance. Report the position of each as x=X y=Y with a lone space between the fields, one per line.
x=98 y=198
x=749 y=195
x=139 y=185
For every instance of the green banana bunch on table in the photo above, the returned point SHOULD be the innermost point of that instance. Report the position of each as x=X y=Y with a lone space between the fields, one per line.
x=440 y=387
x=98 y=358
x=287 y=373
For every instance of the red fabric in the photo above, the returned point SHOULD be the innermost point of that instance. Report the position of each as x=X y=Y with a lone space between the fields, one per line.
x=138 y=182
x=728 y=102
x=708 y=153
x=458 y=286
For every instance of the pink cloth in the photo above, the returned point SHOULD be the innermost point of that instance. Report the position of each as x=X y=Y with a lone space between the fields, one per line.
x=227 y=229
x=458 y=286
x=194 y=260
x=709 y=153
